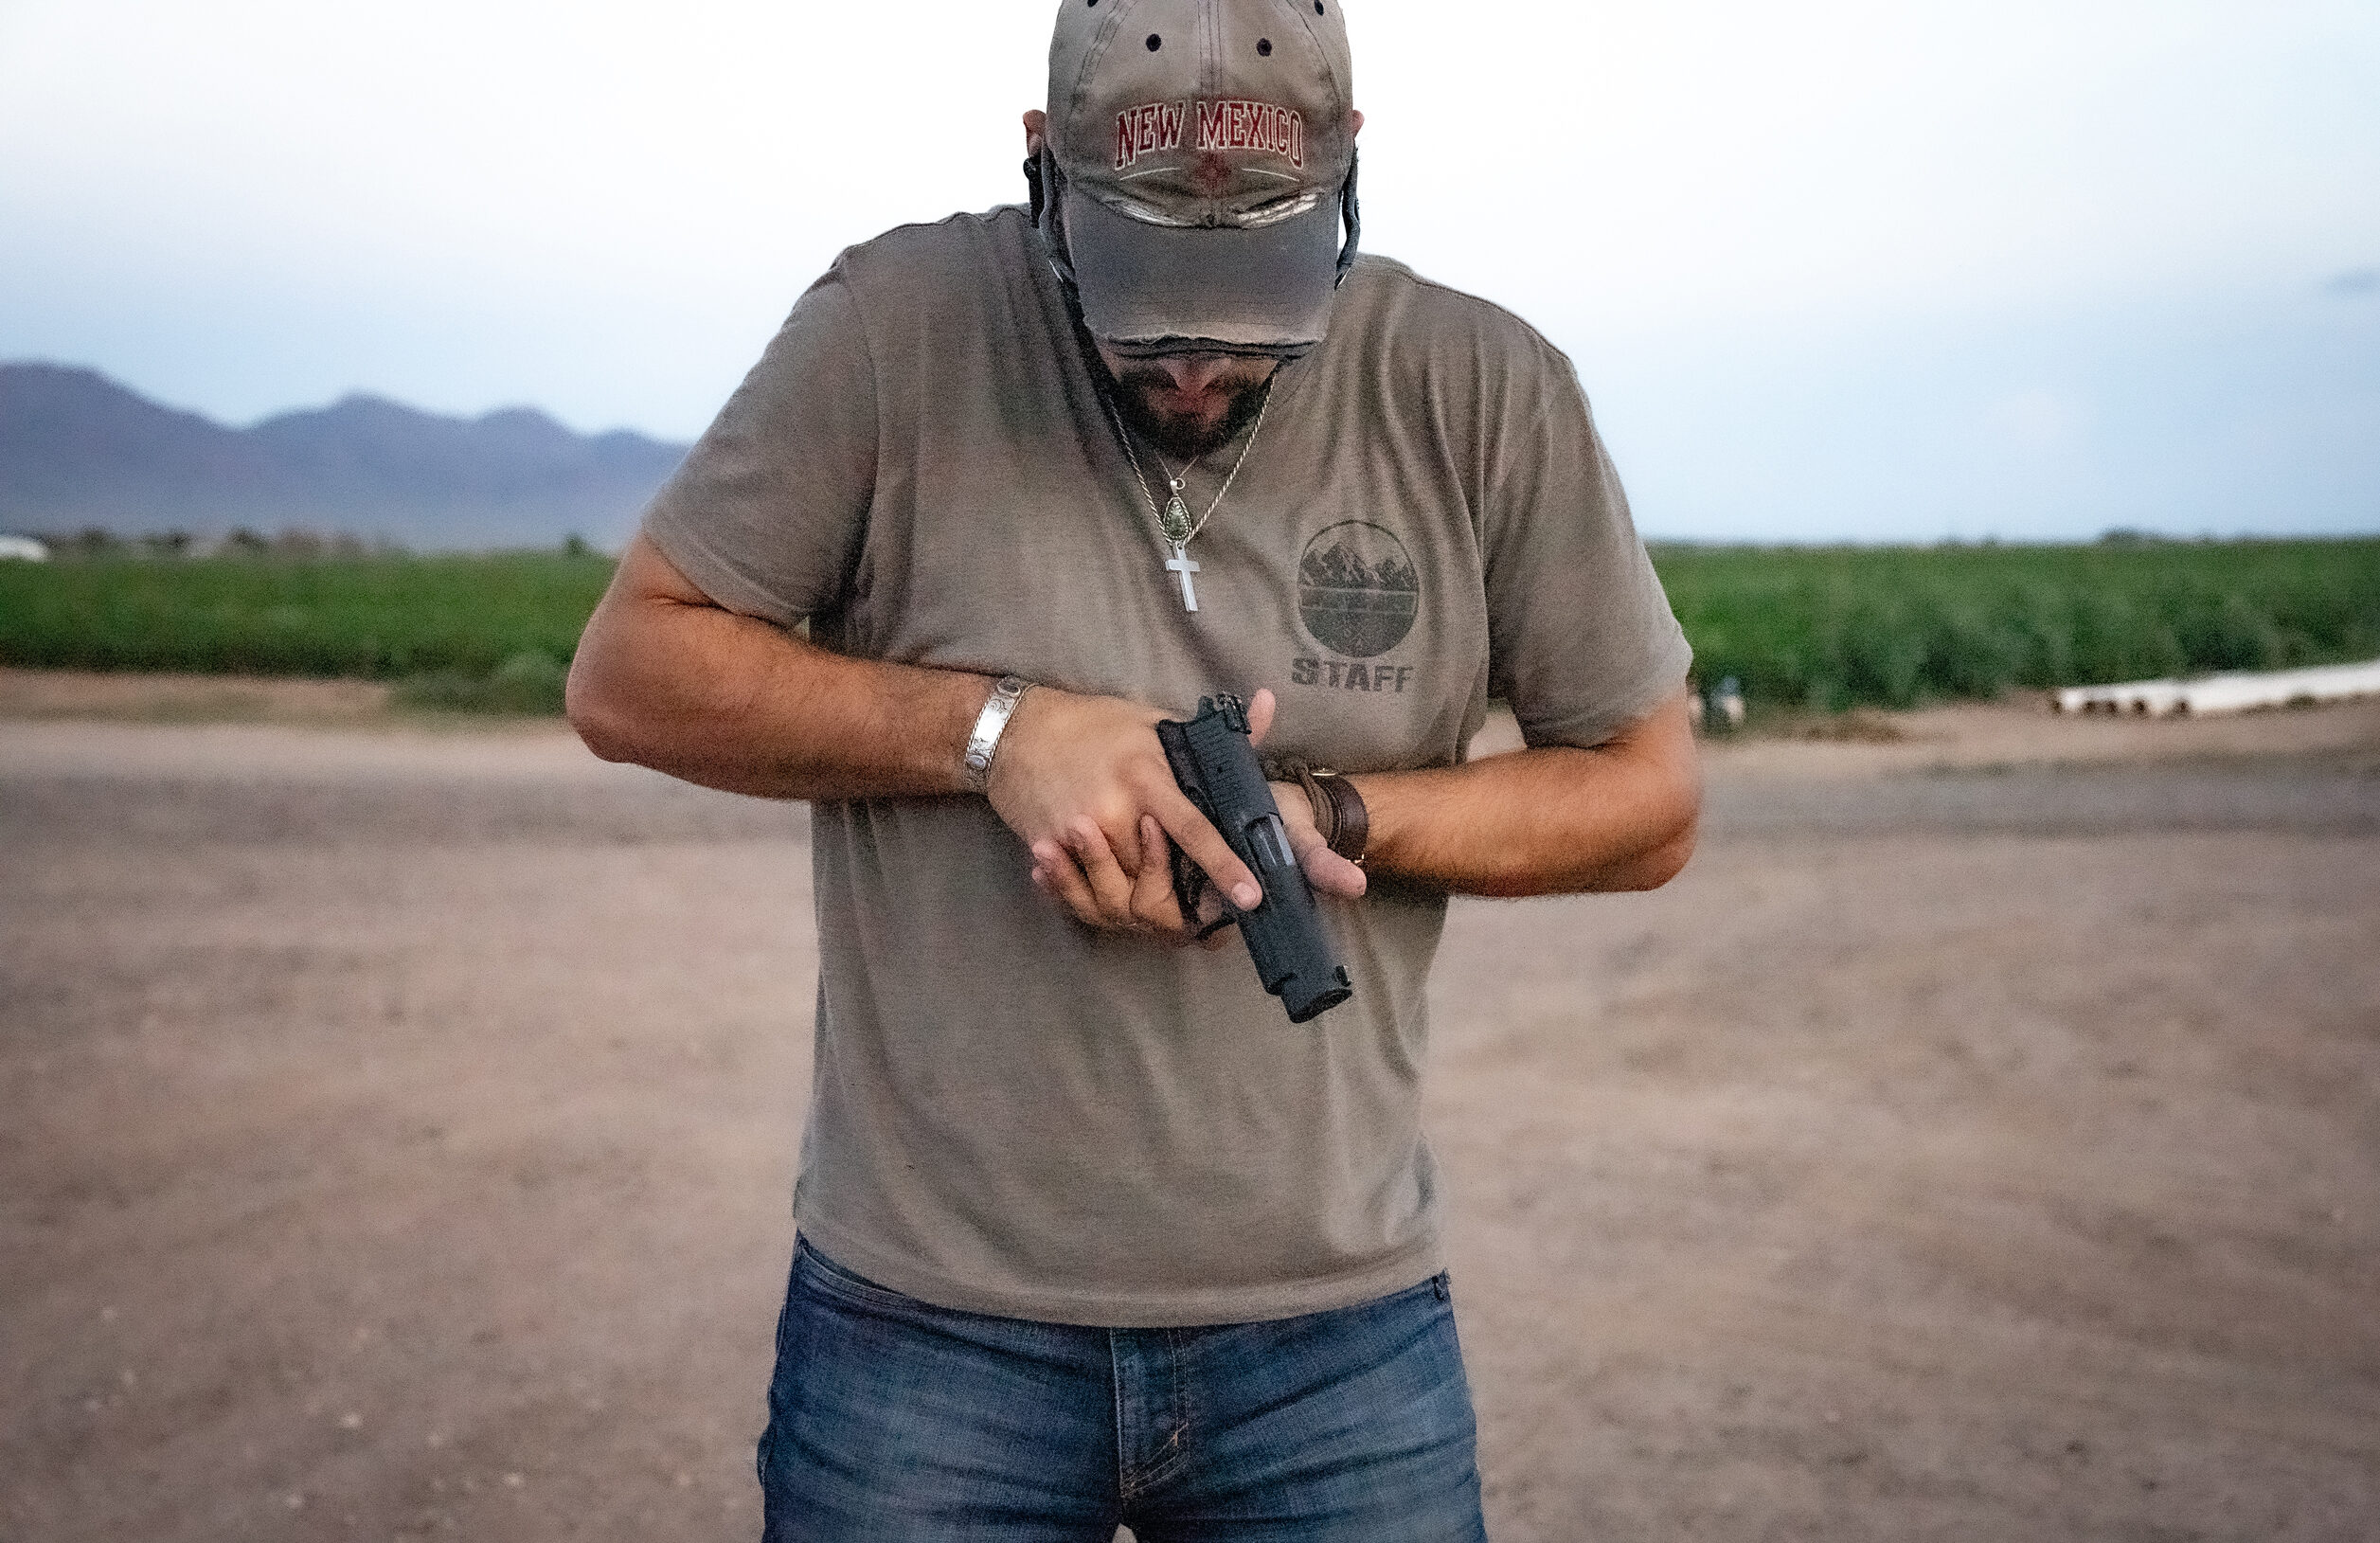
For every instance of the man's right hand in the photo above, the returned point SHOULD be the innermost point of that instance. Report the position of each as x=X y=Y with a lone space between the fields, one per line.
x=667 y=678
x=1084 y=782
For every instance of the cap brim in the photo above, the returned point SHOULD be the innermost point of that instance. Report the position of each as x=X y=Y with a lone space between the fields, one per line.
x=1149 y=288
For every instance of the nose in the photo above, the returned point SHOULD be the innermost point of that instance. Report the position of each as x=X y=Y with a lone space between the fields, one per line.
x=1191 y=374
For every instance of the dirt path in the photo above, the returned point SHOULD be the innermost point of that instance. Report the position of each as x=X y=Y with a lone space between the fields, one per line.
x=1977 y=1142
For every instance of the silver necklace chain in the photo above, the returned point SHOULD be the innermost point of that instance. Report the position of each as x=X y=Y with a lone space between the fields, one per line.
x=1178 y=530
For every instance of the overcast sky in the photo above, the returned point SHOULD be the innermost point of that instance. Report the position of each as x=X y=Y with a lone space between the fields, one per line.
x=1841 y=269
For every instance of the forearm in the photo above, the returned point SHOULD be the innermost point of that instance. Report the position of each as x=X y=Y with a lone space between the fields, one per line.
x=734 y=703
x=668 y=679
x=1550 y=820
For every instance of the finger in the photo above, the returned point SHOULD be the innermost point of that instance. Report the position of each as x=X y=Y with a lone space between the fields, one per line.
x=1127 y=846
x=1325 y=870
x=1209 y=850
x=1261 y=707
x=1110 y=886
x=1059 y=875
x=1152 y=898
x=1296 y=814
x=1332 y=873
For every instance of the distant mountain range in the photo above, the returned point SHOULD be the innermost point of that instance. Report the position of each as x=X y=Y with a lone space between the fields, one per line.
x=78 y=451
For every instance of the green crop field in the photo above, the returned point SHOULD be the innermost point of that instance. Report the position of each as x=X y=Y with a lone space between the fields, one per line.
x=488 y=632
x=1820 y=628
x=1827 y=628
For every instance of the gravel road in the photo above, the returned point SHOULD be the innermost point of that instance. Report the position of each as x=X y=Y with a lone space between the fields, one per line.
x=1980 y=1140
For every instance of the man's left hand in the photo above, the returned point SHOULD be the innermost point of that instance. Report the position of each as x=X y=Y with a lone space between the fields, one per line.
x=1329 y=873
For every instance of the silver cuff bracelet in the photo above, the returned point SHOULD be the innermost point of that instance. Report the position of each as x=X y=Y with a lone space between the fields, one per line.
x=984 y=743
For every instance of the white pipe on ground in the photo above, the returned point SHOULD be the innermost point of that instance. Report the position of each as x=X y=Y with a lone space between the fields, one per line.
x=2236 y=692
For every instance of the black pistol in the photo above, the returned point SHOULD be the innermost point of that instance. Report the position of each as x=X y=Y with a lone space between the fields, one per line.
x=1218 y=770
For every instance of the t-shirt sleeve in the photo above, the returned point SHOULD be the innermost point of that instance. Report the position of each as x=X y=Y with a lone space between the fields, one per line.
x=767 y=512
x=1582 y=641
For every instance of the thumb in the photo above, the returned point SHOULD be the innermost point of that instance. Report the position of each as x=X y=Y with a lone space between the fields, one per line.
x=1329 y=872
x=1261 y=707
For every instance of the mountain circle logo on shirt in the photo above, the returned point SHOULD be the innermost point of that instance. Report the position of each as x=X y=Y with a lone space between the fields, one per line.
x=1357 y=589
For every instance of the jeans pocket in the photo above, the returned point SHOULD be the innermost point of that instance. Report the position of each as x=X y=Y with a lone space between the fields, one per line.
x=822 y=1275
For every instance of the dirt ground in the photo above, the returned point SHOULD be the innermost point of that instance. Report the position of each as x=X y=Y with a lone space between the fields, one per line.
x=1980 y=1142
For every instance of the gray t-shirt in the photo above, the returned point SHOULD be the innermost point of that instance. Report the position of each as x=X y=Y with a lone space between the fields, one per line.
x=1012 y=1113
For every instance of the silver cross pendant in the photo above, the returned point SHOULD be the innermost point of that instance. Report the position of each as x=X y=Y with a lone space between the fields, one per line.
x=1182 y=564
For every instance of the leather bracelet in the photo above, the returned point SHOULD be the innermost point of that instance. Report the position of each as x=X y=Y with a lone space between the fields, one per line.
x=1339 y=810
x=984 y=743
x=1351 y=826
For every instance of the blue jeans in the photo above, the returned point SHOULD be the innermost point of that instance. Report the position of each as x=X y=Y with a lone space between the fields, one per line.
x=897 y=1422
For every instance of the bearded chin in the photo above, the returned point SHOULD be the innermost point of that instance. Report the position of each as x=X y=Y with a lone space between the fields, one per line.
x=1186 y=436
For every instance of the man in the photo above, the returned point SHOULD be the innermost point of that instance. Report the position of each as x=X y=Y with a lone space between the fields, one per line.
x=1089 y=1232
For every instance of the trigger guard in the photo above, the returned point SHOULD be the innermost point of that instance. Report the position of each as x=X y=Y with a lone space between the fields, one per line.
x=1190 y=881
x=1187 y=882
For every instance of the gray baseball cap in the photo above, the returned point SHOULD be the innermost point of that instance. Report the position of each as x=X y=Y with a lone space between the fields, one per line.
x=1206 y=155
